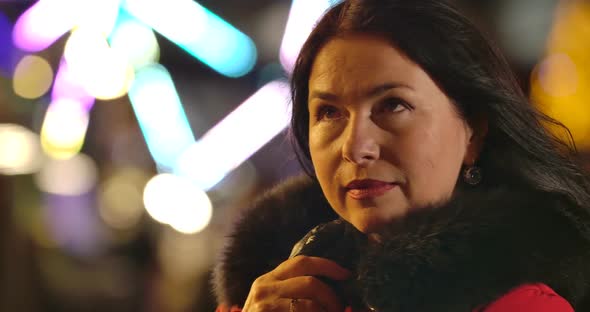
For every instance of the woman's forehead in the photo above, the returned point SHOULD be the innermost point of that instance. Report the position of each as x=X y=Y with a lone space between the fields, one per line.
x=359 y=53
x=362 y=64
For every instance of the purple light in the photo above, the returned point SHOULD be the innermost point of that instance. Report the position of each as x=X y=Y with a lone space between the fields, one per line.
x=42 y=24
x=7 y=50
x=73 y=223
x=67 y=86
x=302 y=18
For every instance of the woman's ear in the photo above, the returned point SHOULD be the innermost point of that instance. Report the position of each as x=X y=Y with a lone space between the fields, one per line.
x=479 y=131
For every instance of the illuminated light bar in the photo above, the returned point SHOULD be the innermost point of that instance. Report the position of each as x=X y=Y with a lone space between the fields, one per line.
x=160 y=115
x=66 y=85
x=47 y=20
x=42 y=24
x=198 y=31
x=64 y=128
x=303 y=16
x=237 y=136
x=135 y=40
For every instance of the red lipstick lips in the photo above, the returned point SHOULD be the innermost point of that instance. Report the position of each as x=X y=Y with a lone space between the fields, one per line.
x=363 y=189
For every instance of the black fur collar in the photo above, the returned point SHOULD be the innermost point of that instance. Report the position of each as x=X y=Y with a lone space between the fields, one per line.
x=453 y=258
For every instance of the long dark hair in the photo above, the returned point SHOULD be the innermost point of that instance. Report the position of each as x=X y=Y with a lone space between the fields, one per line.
x=518 y=148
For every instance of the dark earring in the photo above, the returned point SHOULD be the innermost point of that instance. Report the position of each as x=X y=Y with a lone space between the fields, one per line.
x=472 y=175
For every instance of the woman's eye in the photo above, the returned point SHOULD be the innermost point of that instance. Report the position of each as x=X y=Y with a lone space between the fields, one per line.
x=328 y=112
x=394 y=105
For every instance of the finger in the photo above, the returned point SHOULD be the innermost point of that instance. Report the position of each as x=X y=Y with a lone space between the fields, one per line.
x=310 y=288
x=304 y=265
x=303 y=305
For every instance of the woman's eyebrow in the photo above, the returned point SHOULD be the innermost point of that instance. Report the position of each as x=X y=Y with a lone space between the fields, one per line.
x=372 y=92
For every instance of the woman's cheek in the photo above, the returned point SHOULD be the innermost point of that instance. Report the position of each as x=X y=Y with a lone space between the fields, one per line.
x=323 y=136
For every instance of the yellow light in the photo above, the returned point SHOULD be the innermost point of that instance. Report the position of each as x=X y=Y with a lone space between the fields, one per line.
x=20 y=152
x=64 y=128
x=557 y=75
x=100 y=16
x=176 y=201
x=136 y=41
x=112 y=79
x=104 y=72
x=560 y=84
x=32 y=77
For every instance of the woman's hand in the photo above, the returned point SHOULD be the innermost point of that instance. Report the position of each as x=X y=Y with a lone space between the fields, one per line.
x=294 y=279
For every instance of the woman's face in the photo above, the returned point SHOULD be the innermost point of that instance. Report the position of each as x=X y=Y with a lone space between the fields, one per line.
x=384 y=139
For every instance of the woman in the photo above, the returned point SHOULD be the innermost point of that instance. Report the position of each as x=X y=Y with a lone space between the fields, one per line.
x=415 y=133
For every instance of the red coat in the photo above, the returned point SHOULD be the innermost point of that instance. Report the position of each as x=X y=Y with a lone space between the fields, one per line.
x=529 y=297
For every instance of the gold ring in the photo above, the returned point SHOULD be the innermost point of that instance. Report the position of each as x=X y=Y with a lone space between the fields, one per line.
x=292 y=305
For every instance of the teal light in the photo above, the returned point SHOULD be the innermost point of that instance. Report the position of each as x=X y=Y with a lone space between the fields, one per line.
x=160 y=114
x=200 y=32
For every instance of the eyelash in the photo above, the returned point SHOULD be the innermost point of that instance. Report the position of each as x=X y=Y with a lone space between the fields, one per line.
x=396 y=103
x=323 y=110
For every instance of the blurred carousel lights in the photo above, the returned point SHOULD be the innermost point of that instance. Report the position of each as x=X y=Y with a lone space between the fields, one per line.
x=202 y=35
x=19 y=150
x=176 y=201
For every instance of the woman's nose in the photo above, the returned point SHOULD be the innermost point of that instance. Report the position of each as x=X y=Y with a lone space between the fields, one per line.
x=361 y=145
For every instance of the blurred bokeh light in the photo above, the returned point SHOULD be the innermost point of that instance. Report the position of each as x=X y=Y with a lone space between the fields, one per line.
x=560 y=83
x=120 y=198
x=176 y=201
x=32 y=77
x=20 y=151
x=68 y=177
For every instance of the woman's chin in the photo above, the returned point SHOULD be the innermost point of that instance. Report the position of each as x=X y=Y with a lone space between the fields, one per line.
x=370 y=222
x=369 y=225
